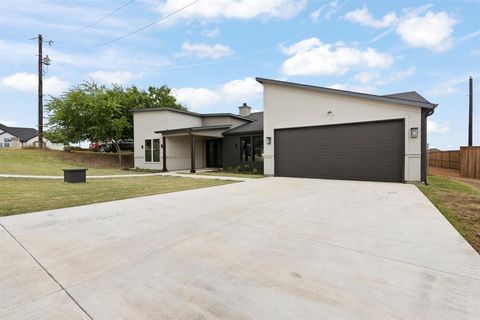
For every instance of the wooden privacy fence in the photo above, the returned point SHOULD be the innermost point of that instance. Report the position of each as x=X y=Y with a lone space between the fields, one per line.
x=470 y=162
x=467 y=160
x=444 y=159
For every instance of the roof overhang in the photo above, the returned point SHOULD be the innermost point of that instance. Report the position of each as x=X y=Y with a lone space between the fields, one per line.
x=207 y=131
x=202 y=115
x=348 y=93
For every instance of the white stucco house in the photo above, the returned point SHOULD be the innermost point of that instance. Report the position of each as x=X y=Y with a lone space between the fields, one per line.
x=20 y=137
x=304 y=131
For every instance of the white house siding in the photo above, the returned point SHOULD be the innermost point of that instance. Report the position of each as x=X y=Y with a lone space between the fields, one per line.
x=15 y=142
x=144 y=125
x=287 y=107
x=3 y=136
x=218 y=121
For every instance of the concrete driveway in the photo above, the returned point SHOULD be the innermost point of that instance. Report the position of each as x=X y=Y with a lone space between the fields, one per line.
x=274 y=248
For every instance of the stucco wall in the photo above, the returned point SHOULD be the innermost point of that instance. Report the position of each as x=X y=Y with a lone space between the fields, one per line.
x=6 y=135
x=178 y=148
x=215 y=121
x=286 y=107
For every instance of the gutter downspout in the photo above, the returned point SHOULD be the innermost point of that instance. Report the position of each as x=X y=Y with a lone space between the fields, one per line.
x=427 y=114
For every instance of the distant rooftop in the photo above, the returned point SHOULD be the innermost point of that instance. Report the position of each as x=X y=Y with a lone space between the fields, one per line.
x=24 y=134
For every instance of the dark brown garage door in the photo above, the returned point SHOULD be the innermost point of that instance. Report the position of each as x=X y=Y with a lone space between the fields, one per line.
x=361 y=151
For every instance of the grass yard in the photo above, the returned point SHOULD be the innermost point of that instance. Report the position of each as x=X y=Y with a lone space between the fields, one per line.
x=29 y=195
x=459 y=203
x=47 y=163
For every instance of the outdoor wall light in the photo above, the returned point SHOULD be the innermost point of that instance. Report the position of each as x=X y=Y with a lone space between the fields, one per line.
x=413 y=133
x=269 y=140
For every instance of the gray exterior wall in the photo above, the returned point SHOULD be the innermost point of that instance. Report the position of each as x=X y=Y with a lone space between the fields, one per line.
x=231 y=151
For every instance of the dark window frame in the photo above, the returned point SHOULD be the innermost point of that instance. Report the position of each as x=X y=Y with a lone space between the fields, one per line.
x=148 y=150
x=246 y=151
x=254 y=148
x=155 y=150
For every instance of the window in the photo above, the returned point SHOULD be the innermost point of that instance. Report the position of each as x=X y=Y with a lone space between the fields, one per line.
x=245 y=149
x=258 y=148
x=148 y=150
x=6 y=142
x=156 y=150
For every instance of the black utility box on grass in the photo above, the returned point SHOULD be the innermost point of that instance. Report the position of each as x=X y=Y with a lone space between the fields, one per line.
x=74 y=175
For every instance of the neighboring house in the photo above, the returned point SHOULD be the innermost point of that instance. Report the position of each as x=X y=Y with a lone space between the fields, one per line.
x=16 y=137
x=304 y=131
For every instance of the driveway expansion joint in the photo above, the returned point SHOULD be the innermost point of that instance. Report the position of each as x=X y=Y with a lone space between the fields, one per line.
x=62 y=288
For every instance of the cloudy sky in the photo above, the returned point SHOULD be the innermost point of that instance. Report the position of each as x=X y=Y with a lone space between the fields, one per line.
x=210 y=52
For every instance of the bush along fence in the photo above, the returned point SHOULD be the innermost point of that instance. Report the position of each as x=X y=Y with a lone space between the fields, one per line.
x=467 y=160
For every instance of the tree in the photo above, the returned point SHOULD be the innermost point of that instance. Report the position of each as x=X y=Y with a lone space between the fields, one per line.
x=93 y=112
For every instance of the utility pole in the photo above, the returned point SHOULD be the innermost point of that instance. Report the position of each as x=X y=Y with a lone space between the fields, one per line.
x=40 y=92
x=470 y=112
x=41 y=61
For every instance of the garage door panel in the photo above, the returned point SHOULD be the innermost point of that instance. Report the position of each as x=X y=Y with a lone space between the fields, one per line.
x=360 y=151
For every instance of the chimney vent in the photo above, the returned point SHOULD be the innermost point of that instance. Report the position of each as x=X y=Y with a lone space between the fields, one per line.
x=244 y=110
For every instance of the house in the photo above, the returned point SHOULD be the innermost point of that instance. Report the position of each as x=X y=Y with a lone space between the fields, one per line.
x=304 y=131
x=18 y=137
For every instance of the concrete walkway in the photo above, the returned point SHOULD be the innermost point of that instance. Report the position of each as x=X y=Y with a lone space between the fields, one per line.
x=272 y=248
x=172 y=174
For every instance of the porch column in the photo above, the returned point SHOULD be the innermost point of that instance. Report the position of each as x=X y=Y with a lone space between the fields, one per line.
x=192 y=141
x=164 y=153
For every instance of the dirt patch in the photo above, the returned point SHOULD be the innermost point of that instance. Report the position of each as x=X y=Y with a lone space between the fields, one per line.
x=97 y=159
x=453 y=174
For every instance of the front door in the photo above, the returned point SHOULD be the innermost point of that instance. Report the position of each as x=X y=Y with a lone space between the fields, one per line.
x=214 y=153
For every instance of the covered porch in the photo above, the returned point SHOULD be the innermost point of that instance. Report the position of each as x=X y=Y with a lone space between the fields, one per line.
x=192 y=148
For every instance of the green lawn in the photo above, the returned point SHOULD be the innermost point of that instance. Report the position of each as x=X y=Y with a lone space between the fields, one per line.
x=29 y=195
x=459 y=203
x=47 y=163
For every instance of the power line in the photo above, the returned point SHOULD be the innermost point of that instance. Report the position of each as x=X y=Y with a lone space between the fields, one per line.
x=239 y=57
x=105 y=17
x=138 y=30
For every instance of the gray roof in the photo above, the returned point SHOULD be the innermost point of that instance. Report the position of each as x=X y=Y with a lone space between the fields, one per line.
x=255 y=126
x=408 y=98
x=24 y=134
x=409 y=95
x=194 y=113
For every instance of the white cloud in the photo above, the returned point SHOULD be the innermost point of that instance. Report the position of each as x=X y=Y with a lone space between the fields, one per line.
x=211 y=32
x=236 y=9
x=363 y=17
x=375 y=78
x=112 y=77
x=235 y=91
x=475 y=51
x=328 y=10
x=433 y=126
x=28 y=82
x=432 y=31
x=354 y=88
x=204 y=51
x=442 y=90
x=366 y=77
x=8 y=123
x=242 y=90
x=196 y=98
x=312 y=57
